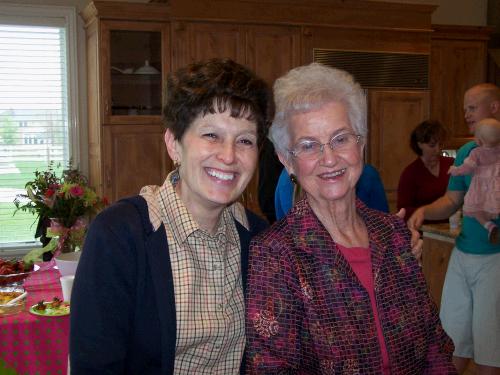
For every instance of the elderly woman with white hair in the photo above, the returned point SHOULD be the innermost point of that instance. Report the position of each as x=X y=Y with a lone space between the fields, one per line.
x=333 y=286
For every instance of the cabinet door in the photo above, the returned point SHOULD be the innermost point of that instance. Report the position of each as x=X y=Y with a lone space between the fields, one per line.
x=204 y=40
x=272 y=50
x=392 y=117
x=455 y=66
x=458 y=61
x=435 y=257
x=133 y=61
x=134 y=156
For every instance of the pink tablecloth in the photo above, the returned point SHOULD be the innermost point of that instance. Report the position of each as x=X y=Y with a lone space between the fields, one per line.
x=31 y=344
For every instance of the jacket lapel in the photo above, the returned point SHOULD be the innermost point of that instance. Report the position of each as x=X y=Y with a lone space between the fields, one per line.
x=311 y=236
x=245 y=237
x=161 y=273
x=380 y=231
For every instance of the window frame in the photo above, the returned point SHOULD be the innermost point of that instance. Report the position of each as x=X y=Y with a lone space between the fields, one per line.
x=59 y=16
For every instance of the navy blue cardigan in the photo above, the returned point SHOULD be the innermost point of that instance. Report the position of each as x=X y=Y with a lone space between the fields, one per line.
x=123 y=317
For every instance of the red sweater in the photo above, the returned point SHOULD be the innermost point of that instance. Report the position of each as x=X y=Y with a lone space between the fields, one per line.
x=418 y=186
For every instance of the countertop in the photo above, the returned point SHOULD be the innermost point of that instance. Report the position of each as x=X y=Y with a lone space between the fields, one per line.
x=440 y=231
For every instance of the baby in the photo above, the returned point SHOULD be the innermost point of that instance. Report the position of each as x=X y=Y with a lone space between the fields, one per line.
x=482 y=200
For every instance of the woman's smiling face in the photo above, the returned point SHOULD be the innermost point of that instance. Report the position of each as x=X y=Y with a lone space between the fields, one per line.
x=333 y=174
x=217 y=156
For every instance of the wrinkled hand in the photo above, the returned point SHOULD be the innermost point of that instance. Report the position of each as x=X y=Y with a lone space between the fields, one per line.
x=417 y=244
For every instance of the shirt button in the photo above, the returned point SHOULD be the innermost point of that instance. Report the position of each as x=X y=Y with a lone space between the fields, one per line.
x=219 y=306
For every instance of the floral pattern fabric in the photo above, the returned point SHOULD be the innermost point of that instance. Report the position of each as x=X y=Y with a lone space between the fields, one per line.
x=307 y=312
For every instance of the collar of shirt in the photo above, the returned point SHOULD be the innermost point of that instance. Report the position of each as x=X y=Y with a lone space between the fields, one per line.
x=165 y=206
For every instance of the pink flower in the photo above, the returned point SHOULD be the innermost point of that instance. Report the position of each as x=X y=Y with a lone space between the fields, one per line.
x=76 y=191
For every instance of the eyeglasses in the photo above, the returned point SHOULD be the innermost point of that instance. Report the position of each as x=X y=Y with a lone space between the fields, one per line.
x=309 y=150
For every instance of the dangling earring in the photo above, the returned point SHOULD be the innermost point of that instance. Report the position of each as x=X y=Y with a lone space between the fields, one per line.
x=175 y=177
x=293 y=178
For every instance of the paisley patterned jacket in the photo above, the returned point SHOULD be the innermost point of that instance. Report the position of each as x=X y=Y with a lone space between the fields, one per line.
x=307 y=312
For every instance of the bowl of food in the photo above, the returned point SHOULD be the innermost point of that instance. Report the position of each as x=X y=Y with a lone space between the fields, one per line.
x=13 y=271
x=12 y=300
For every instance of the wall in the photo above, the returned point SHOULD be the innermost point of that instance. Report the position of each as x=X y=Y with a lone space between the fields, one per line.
x=454 y=12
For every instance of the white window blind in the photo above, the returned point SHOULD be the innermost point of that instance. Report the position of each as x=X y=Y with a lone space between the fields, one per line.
x=37 y=107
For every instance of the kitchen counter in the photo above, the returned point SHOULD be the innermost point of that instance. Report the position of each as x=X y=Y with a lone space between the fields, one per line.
x=440 y=231
x=439 y=241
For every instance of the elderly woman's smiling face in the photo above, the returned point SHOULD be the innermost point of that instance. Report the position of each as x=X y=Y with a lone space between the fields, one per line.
x=330 y=175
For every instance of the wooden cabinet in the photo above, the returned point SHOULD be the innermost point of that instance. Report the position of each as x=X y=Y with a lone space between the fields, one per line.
x=132 y=63
x=435 y=257
x=134 y=156
x=127 y=58
x=270 y=37
x=271 y=51
x=194 y=41
x=458 y=61
x=392 y=117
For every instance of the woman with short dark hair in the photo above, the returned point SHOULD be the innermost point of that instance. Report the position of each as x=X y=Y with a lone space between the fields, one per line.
x=426 y=178
x=159 y=287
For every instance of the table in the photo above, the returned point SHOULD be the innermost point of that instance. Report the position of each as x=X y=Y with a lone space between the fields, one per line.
x=34 y=345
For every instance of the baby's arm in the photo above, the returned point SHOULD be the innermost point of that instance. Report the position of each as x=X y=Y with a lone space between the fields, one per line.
x=468 y=167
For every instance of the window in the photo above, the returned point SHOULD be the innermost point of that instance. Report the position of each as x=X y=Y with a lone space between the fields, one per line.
x=38 y=106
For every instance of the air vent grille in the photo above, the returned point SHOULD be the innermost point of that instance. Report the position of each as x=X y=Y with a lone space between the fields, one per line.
x=379 y=69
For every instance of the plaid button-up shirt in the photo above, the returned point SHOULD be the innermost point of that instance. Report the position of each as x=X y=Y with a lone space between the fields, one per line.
x=207 y=284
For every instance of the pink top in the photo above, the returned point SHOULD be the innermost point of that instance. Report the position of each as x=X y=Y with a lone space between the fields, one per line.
x=359 y=258
x=483 y=194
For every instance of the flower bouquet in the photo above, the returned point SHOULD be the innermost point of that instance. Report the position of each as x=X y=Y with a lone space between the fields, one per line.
x=62 y=205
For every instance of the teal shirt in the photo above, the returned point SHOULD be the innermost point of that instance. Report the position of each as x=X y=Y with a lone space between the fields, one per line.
x=473 y=237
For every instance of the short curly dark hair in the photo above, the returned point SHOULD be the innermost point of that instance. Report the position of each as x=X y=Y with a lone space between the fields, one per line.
x=214 y=86
x=425 y=132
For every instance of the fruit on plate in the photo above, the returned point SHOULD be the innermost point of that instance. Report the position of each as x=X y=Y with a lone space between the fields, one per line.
x=12 y=270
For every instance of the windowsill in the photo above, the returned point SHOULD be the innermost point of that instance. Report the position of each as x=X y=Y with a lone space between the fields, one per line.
x=17 y=250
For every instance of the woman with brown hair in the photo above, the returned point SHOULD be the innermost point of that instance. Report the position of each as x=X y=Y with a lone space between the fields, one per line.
x=426 y=178
x=160 y=285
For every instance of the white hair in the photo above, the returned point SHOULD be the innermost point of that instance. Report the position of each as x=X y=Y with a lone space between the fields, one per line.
x=308 y=88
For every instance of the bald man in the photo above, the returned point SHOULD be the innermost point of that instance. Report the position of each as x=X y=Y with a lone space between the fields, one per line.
x=470 y=304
